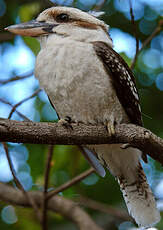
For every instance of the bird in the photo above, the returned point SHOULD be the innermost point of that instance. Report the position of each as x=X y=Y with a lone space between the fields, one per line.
x=88 y=82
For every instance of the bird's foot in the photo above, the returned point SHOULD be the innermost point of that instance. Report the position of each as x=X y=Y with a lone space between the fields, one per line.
x=110 y=128
x=66 y=122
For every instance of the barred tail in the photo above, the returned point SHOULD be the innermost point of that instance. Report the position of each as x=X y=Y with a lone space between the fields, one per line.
x=140 y=200
x=124 y=164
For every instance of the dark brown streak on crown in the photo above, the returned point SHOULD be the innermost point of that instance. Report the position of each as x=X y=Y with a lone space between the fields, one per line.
x=78 y=22
x=88 y=25
x=85 y=24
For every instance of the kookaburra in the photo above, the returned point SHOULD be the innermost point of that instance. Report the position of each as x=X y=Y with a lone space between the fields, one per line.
x=88 y=82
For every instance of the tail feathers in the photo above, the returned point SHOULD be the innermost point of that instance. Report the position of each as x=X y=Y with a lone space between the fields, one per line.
x=125 y=166
x=140 y=200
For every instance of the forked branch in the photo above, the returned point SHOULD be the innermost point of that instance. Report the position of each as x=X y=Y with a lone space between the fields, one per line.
x=61 y=205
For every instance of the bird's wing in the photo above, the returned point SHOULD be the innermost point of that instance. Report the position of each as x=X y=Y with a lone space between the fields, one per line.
x=122 y=79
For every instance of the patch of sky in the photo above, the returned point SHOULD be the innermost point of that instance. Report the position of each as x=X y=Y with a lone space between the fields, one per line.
x=20 y=153
x=14 y=144
x=87 y=5
x=159 y=188
x=36 y=116
x=5 y=173
x=147 y=27
x=150 y=14
x=130 y=226
x=91 y=2
x=154 y=4
x=43 y=96
x=8 y=215
x=146 y=79
x=157 y=43
x=18 y=59
x=5 y=110
x=160 y=205
x=49 y=113
x=151 y=58
x=25 y=180
x=123 y=42
x=123 y=6
x=63 y=2
x=91 y=180
x=27 y=109
x=150 y=172
x=19 y=156
x=161 y=60
x=2 y=7
x=149 y=72
x=126 y=226
x=159 y=81
x=24 y=167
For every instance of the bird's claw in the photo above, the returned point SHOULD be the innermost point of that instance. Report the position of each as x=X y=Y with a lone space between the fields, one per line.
x=66 y=122
x=110 y=129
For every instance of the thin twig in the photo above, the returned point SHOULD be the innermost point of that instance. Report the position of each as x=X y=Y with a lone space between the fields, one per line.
x=16 y=78
x=20 y=114
x=147 y=41
x=46 y=181
x=59 y=204
x=68 y=184
x=135 y=35
x=19 y=185
x=22 y=101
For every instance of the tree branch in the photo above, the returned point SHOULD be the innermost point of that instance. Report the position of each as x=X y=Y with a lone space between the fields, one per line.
x=46 y=182
x=145 y=43
x=70 y=183
x=54 y=133
x=20 y=114
x=58 y=204
x=16 y=78
x=22 y=101
x=20 y=186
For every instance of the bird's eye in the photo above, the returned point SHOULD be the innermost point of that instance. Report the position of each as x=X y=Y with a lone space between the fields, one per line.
x=62 y=18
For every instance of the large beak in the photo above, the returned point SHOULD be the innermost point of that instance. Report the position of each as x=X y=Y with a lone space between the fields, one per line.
x=32 y=28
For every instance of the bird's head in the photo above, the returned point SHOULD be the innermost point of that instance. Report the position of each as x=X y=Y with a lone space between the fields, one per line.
x=63 y=21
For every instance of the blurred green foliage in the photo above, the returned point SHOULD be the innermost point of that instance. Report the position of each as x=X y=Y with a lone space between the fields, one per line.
x=67 y=160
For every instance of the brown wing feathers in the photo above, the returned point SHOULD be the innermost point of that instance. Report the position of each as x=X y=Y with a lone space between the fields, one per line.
x=123 y=80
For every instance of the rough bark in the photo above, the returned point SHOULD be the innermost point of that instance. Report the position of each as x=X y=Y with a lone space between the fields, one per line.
x=55 y=133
